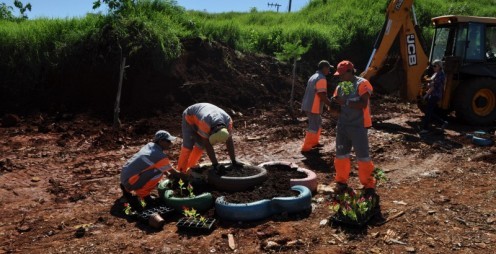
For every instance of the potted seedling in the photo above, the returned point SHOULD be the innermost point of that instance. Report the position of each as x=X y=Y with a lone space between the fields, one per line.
x=181 y=194
x=193 y=221
x=356 y=208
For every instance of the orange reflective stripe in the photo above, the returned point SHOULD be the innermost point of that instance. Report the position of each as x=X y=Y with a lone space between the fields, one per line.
x=203 y=127
x=148 y=187
x=363 y=88
x=367 y=119
x=316 y=104
x=321 y=86
x=163 y=164
x=133 y=179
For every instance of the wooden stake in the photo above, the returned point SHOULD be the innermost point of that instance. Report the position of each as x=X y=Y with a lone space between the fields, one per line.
x=117 y=122
x=393 y=217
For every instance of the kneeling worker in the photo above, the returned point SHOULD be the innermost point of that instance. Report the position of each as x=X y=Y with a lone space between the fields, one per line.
x=203 y=126
x=141 y=174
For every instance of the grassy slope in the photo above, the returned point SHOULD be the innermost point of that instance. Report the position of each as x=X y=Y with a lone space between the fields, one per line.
x=35 y=53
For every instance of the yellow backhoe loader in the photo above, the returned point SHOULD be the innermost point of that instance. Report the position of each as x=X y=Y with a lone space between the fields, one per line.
x=465 y=44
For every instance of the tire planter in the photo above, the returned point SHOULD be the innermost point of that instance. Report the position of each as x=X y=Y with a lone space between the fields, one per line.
x=234 y=184
x=310 y=181
x=482 y=141
x=201 y=202
x=264 y=208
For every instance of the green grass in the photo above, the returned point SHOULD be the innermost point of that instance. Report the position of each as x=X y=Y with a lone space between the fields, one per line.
x=150 y=35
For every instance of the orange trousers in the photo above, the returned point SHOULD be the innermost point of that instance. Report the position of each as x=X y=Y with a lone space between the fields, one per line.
x=311 y=140
x=189 y=158
x=365 y=172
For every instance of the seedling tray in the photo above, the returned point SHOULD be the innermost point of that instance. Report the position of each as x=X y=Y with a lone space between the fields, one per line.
x=162 y=210
x=194 y=225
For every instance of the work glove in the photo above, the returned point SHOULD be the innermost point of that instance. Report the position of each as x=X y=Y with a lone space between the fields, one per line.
x=219 y=169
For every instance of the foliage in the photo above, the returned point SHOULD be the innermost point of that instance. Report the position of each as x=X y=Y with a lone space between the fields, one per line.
x=353 y=206
x=188 y=187
x=194 y=215
x=291 y=51
x=6 y=11
x=380 y=175
x=347 y=88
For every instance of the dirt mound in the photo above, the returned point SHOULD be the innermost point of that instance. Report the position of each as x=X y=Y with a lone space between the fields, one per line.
x=10 y=120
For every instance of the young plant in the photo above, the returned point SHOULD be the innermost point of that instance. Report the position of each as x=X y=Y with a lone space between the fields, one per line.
x=380 y=175
x=353 y=205
x=190 y=190
x=181 y=186
x=347 y=88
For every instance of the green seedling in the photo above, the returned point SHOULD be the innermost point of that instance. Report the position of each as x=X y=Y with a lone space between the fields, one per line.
x=347 y=87
x=380 y=175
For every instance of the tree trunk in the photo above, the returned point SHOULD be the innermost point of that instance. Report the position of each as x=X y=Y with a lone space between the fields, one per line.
x=117 y=122
x=291 y=100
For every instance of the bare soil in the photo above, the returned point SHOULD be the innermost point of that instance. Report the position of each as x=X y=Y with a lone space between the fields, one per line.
x=59 y=176
x=276 y=185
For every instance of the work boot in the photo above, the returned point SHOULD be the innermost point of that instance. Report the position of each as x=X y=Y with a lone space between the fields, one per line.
x=340 y=188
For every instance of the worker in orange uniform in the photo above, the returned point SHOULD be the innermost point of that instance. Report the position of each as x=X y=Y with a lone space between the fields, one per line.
x=141 y=174
x=353 y=94
x=203 y=126
x=313 y=104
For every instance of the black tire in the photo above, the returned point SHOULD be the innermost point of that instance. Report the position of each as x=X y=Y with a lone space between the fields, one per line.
x=475 y=101
x=233 y=184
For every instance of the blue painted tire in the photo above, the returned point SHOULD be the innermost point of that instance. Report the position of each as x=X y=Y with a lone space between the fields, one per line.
x=264 y=208
x=293 y=204
x=310 y=181
x=243 y=212
x=482 y=141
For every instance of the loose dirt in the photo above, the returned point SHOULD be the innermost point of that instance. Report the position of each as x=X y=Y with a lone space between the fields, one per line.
x=59 y=178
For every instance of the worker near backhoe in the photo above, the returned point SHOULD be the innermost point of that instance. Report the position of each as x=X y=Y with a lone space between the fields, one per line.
x=204 y=125
x=353 y=94
x=433 y=95
x=142 y=173
x=313 y=104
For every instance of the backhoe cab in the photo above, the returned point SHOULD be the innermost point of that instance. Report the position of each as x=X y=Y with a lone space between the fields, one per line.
x=467 y=47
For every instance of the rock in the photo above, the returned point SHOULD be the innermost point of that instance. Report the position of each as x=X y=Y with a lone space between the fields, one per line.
x=231 y=242
x=80 y=232
x=322 y=188
x=410 y=249
x=23 y=228
x=35 y=179
x=431 y=212
x=399 y=202
x=323 y=222
x=10 y=120
x=294 y=243
x=376 y=250
x=430 y=242
x=431 y=174
x=481 y=245
x=491 y=220
x=320 y=200
x=271 y=244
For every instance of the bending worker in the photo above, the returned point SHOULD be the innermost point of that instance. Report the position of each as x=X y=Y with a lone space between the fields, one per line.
x=203 y=126
x=141 y=174
x=353 y=94
x=313 y=104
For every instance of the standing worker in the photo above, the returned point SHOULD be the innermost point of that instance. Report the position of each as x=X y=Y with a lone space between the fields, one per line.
x=141 y=174
x=353 y=94
x=313 y=104
x=433 y=96
x=203 y=126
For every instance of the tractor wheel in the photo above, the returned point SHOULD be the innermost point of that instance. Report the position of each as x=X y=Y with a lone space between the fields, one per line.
x=476 y=101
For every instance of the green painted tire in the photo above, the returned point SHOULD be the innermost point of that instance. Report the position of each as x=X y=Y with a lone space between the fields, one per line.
x=202 y=202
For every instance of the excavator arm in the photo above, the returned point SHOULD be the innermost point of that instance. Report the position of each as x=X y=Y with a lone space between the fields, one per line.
x=414 y=59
